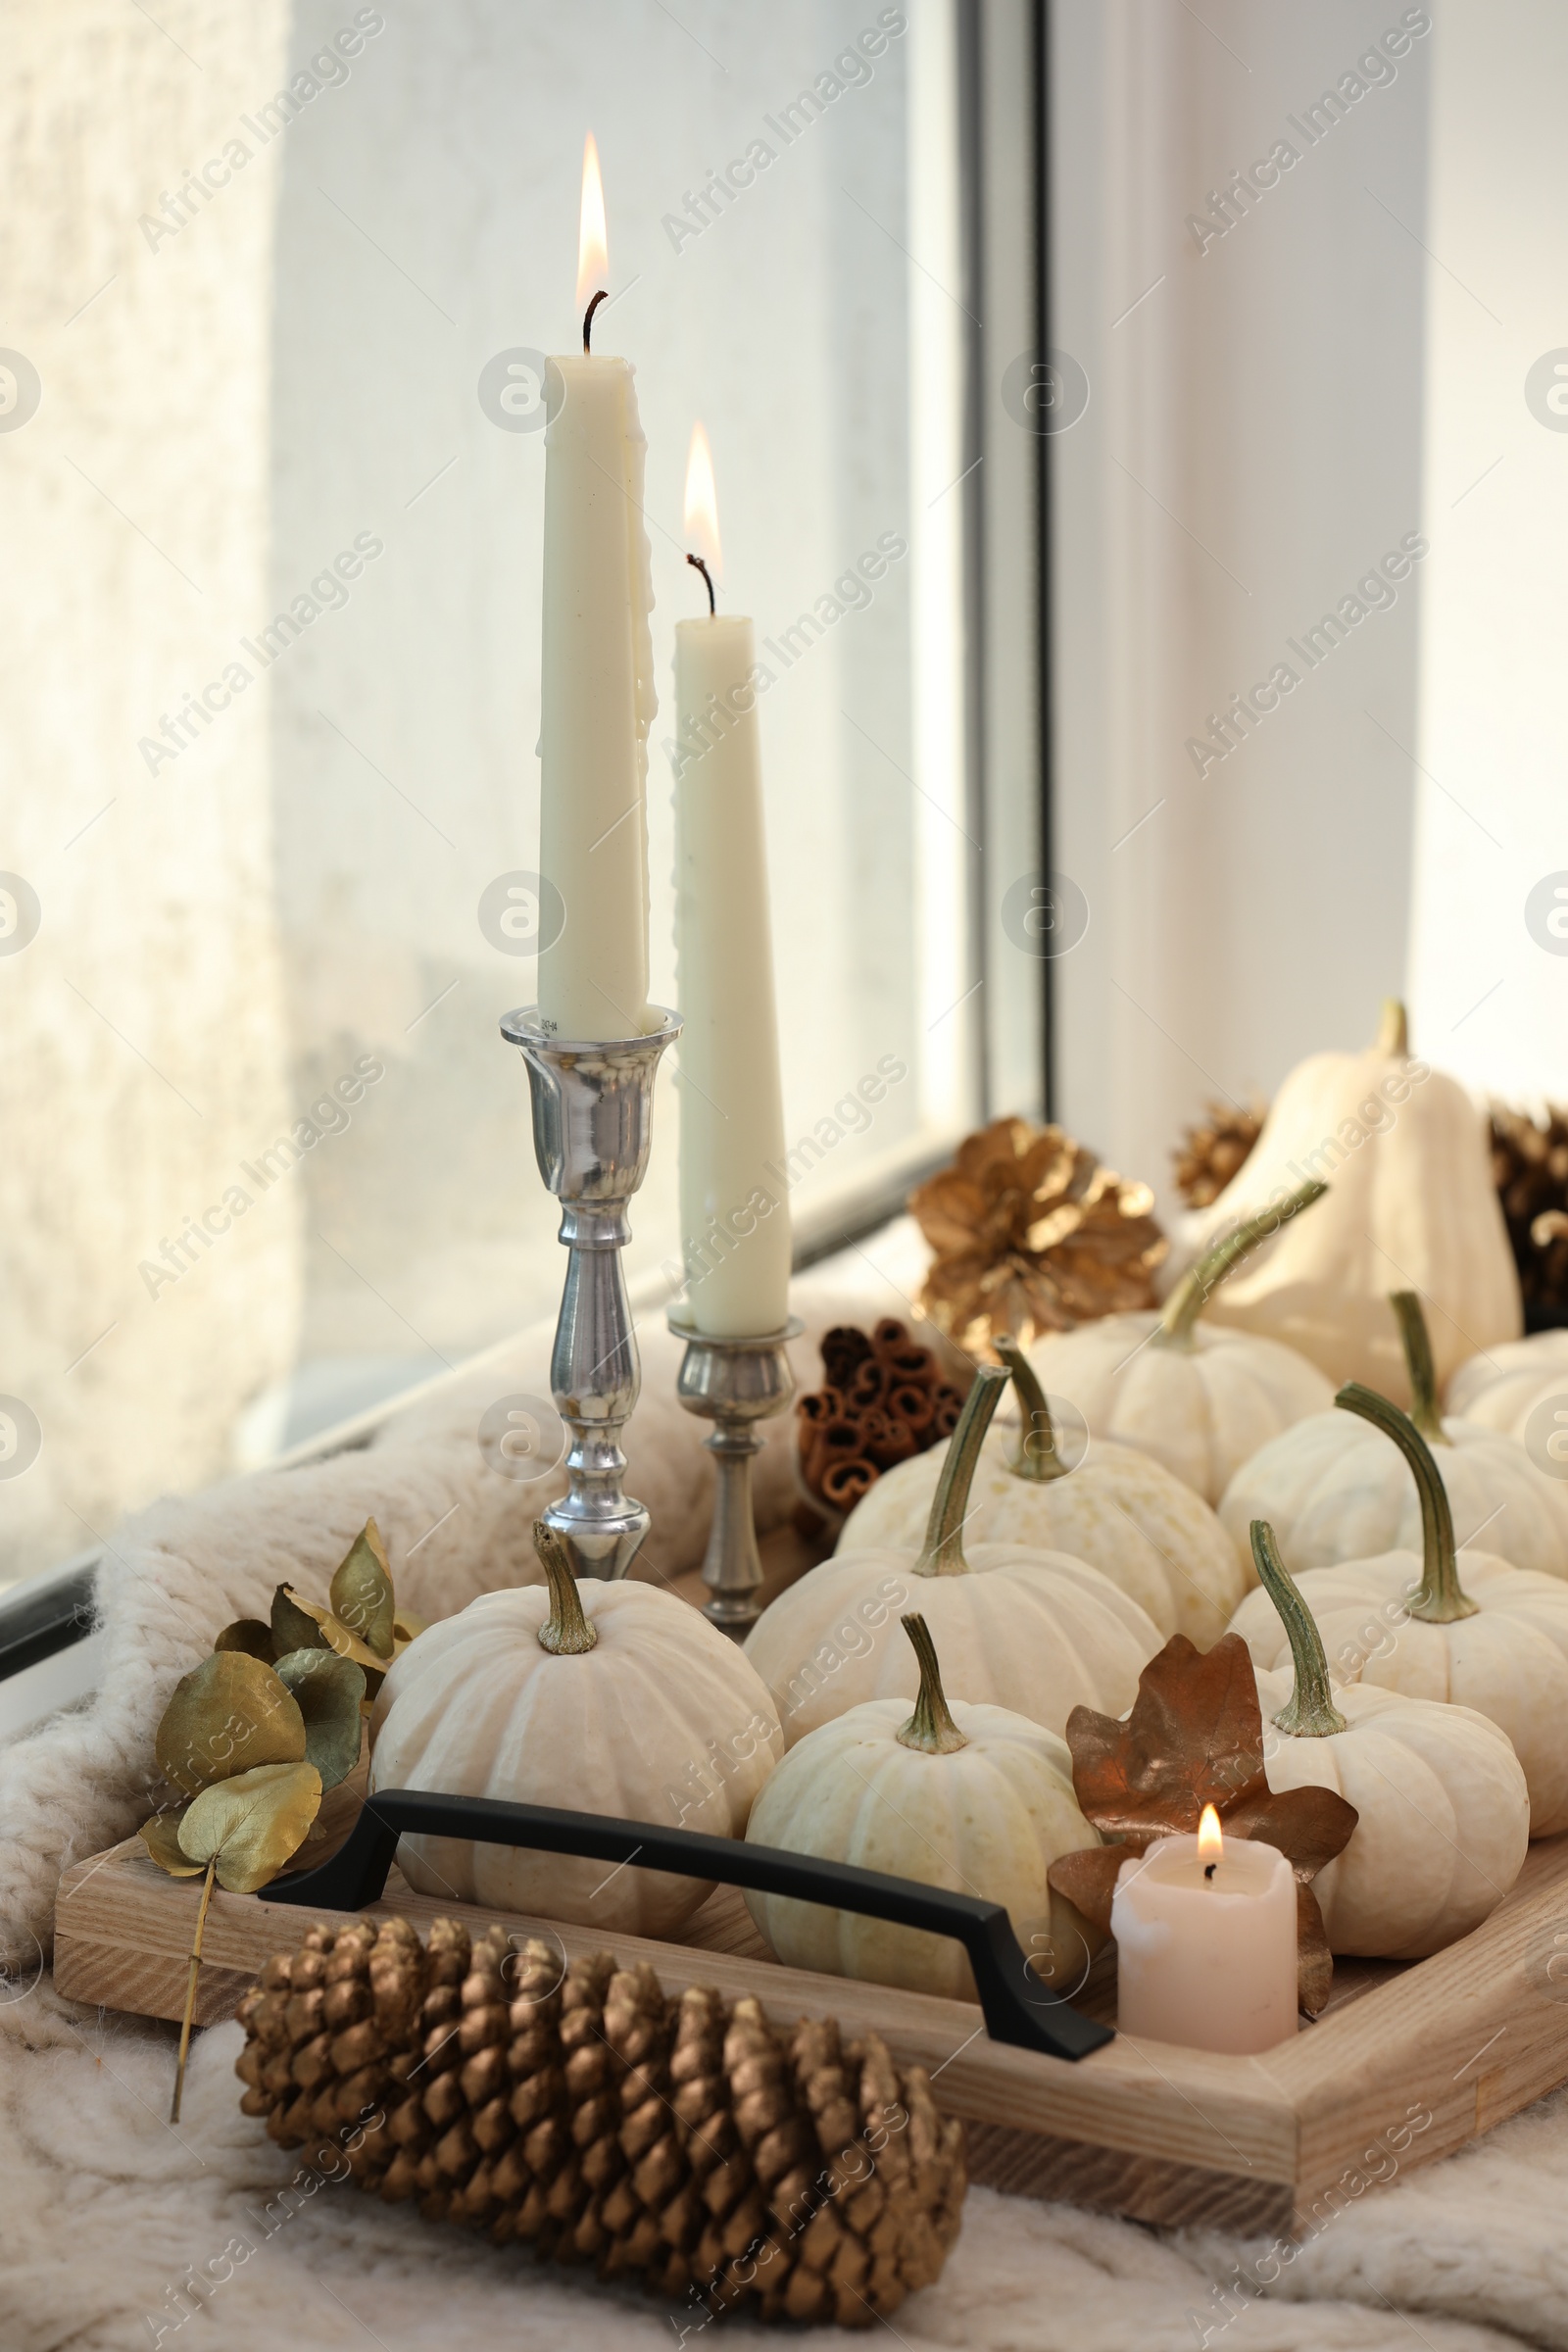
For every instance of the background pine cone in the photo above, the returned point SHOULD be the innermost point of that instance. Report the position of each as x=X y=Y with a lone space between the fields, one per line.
x=1212 y=1150
x=1529 y=1169
x=605 y=2121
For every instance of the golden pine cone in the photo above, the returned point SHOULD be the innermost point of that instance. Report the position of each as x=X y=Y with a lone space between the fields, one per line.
x=1529 y=1169
x=1031 y=1235
x=605 y=2121
x=1212 y=1150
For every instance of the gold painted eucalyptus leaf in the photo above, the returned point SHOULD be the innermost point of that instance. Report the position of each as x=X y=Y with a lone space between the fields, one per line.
x=225 y=1716
x=161 y=1836
x=295 y=1624
x=329 y=1691
x=253 y=1824
x=329 y=1632
x=361 y=1594
x=249 y=1634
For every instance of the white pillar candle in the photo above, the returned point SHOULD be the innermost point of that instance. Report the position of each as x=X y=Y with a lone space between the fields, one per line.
x=597 y=696
x=1205 y=1943
x=735 y=1221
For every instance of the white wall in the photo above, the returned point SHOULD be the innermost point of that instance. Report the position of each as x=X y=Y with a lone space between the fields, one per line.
x=1253 y=443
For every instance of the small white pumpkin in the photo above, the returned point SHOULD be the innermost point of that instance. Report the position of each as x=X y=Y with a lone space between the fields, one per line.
x=1333 y=1490
x=1501 y=1388
x=612 y=1698
x=974 y=1798
x=1408 y=1154
x=1197 y=1398
x=1445 y=1809
x=1119 y=1509
x=1035 y=1631
x=1497 y=1642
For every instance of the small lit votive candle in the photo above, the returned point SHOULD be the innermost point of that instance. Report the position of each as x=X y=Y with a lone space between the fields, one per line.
x=1205 y=1943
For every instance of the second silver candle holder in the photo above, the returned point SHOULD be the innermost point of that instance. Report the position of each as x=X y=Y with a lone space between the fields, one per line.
x=734 y=1383
x=592 y=1126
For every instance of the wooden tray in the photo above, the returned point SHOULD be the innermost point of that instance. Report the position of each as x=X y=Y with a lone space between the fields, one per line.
x=1407 y=2064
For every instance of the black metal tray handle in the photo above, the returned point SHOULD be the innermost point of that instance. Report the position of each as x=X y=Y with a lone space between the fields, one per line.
x=1016 y=2007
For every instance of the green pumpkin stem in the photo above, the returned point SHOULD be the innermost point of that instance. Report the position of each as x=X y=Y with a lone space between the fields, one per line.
x=942 y=1553
x=1036 y=1457
x=565 y=1632
x=1197 y=1285
x=931 y=1728
x=1310 y=1713
x=1416 y=1341
x=1393 y=1031
x=1441 y=1598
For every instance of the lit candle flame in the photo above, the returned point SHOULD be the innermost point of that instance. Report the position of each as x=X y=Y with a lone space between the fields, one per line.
x=1210 y=1838
x=702 y=504
x=593 y=251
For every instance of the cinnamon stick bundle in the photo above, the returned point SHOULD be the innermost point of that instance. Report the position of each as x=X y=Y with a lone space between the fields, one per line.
x=883 y=1401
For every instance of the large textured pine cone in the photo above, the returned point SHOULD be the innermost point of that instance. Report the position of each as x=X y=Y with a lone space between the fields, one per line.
x=605 y=2121
x=1529 y=1169
x=1212 y=1150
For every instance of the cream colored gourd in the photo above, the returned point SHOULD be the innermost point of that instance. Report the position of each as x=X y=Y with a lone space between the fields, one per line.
x=1497 y=1643
x=1502 y=1388
x=1197 y=1398
x=974 y=1798
x=1333 y=1490
x=1035 y=1631
x=1445 y=1810
x=612 y=1698
x=1409 y=1158
x=1119 y=1509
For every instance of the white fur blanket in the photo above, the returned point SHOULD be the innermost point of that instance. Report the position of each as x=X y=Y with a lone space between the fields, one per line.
x=117 y=2230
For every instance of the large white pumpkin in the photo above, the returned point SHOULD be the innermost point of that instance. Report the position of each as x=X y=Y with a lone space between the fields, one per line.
x=1199 y=1399
x=1333 y=1489
x=1119 y=1509
x=1409 y=1158
x=975 y=1799
x=1502 y=1388
x=1443 y=1804
x=656 y=1716
x=1037 y=1632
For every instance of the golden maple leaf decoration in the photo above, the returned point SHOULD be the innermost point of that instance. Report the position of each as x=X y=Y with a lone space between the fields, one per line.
x=1032 y=1233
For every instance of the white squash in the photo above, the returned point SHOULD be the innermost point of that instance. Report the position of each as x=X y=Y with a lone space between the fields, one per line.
x=974 y=1798
x=1497 y=1643
x=1199 y=1400
x=612 y=1698
x=1035 y=1631
x=1410 y=1159
x=1119 y=1509
x=1334 y=1490
x=1445 y=1809
x=1501 y=1388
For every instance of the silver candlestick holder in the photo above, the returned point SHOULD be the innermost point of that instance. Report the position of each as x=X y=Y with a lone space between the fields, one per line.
x=592 y=1121
x=734 y=1383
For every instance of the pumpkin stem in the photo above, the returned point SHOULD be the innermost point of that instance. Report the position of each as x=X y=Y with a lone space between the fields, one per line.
x=1310 y=1713
x=1441 y=1598
x=1036 y=1457
x=942 y=1552
x=1416 y=1341
x=1394 y=1030
x=1190 y=1296
x=931 y=1728
x=565 y=1632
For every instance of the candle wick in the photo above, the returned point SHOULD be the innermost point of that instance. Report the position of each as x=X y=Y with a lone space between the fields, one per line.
x=697 y=563
x=588 y=318
x=1209 y=1869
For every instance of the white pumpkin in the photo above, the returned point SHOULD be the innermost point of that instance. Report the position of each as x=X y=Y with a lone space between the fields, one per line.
x=1503 y=1387
x=1119 y=1509
x=1197 y=1398
x=1332 y=1488
x=612 y=1698
x=975 y=1799
x=1410 y=1156
x=1037 y=1632
x=1444 y=1806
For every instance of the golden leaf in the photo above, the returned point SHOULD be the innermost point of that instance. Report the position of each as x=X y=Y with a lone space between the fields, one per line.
x=228 y=1714
x=161 y=1836
x=249 y=1634
x=362 y=1593
x=295 y=1625
x=329 y=1690
x=252 y=1824
x=333 y=1635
